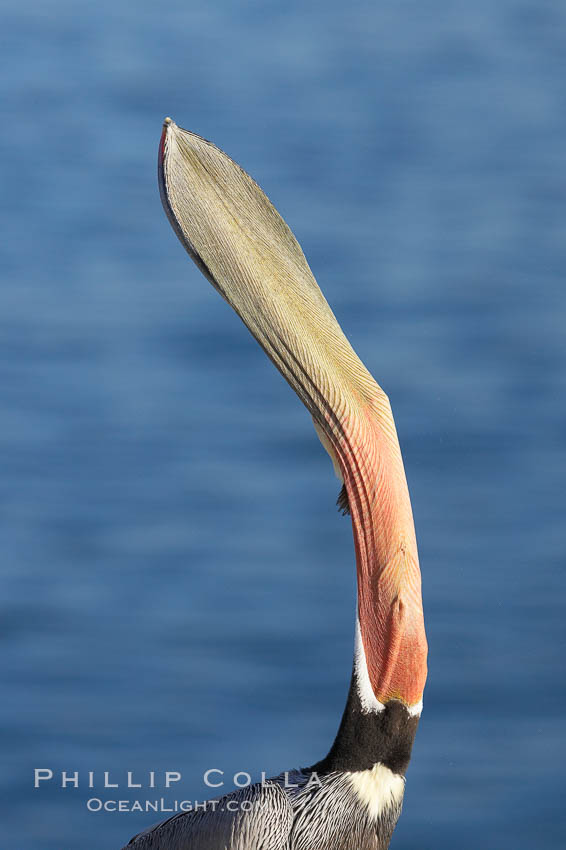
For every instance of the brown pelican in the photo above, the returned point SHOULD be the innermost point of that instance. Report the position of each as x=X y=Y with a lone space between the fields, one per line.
x=351 y=799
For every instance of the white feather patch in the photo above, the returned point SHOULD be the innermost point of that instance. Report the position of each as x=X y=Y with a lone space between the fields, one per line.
x=369 y=701
x=416 y=709
x=378 y=789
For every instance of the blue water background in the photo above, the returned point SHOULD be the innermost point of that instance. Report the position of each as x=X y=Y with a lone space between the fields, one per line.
x=177 y=585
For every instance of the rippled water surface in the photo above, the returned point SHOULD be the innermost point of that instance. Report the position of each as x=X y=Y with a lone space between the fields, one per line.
x=177 y=586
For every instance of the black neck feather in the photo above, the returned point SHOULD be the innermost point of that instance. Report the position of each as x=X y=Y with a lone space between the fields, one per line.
x=364 y=739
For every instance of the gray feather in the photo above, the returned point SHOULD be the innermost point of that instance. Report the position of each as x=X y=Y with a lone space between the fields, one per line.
x=256 y=817
x=285 y=813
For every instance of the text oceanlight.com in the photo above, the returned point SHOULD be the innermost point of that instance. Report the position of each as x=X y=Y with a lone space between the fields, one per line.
x=95 y=804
